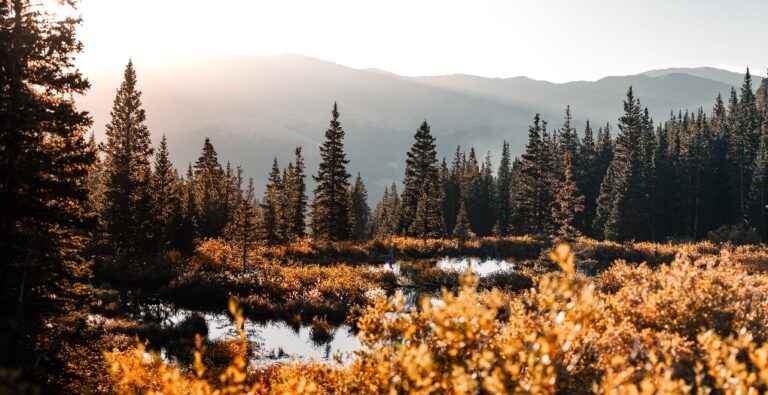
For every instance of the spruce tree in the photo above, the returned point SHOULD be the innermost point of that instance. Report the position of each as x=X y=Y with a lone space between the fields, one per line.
x=421 y=170
x=209 y=184
x=568 y=139
x=361 y=213
x=45 y=221
x=330 y=207
x=167 y=197
x=503 y=186
x=242 y=228
x=588 y=178
x=452 y=191
x=758 y=194
x=486 y=199
x=470 y=189
x=532 y=198
x=745 y=134
x=270 y=207
x=568 y=203
x=187 y=231
x=462 y=231
x=296 y=191
x=127 y=171
x=622 y=212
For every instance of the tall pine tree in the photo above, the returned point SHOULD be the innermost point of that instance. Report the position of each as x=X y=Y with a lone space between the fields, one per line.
x=127 y=171
x=330 y=207
x=421 y=171
x=44 y=217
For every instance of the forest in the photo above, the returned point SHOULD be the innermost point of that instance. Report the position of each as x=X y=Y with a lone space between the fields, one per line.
x=624 y=259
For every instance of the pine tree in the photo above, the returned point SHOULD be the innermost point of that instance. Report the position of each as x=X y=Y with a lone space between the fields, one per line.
x=270 y=207
x=568 y=139
x=720 y=214
x=242 y=228
x=420 y=170
x=486 y=199
x=232 y=186
x=166 y=197
x=622 y=211
x=745 y=133
x=387 y=212
x=209 y=182
x=470 y=189
x=452 y=191
x=44 y=217
x=187 y=231
x=532 y=198
x=462 y=230
x=428 y=220
x=330 y=207
x=503 y=186
x=127 y=168
x=361 y=213
x=758 y=194
x=297 y=197
x=568 y=203
x=587 y=179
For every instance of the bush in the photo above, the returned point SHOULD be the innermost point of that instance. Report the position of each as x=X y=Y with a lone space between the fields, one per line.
x=734 y=234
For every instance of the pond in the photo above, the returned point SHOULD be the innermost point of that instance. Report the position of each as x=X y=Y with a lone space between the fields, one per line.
x=278 y=341
x=480 y=266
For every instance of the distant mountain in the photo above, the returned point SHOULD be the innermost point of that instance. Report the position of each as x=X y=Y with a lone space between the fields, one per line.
x=711 y=73
x=255 y=108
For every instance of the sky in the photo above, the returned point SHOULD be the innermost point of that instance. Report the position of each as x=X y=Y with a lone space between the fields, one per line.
x=554 y=40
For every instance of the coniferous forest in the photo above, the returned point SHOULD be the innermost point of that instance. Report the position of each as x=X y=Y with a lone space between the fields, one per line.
x=626 y=257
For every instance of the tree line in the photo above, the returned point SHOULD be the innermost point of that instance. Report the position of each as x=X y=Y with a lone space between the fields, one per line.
x=681 y=178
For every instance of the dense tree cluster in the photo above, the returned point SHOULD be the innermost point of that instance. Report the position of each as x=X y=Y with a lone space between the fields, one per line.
x=681 y=178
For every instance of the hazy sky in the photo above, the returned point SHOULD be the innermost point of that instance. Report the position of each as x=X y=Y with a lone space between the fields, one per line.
x=556 y=40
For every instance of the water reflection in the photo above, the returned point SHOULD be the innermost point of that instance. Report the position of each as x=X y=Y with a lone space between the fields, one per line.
x=277 y=340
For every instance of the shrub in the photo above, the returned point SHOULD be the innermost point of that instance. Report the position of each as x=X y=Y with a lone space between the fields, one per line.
x=734 y=234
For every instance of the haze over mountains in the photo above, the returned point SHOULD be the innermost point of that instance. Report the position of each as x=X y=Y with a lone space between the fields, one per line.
x=257 y=107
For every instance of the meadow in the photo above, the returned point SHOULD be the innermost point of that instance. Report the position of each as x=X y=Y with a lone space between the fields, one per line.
x=594 y=317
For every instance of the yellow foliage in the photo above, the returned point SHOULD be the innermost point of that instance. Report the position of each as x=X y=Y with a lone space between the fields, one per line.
x=684 y=327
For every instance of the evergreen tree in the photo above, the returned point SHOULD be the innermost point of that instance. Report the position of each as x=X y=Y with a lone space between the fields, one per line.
x=532 y=197
x=503 y=186
x=44 y=216
x=209 y=182
x=387 y=214
x=568 y=138
x=187 y=231
x=462 y=231
x=296 y=191
x=242 y=228
x=452 y=191
x=758 y=194
x=361 y=213
x=420 y=170
x=330 y=207
x=719 y=168
x=588 y=178
x=428 y=221
x=232 y=187
x=486 y=199
x=127 y=171
x=470 y=190
x=166 y=197
x=270 y=207
x=622 y=212
x=568 y=203
x=745 y=134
